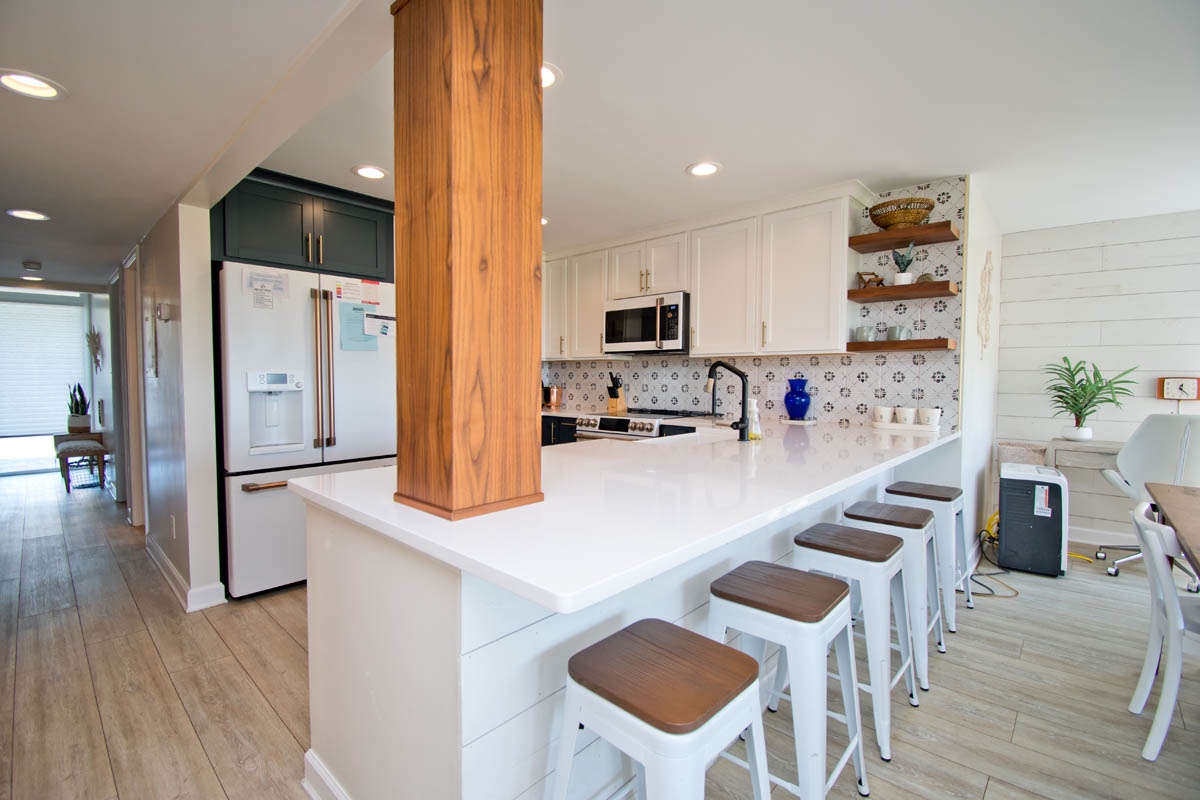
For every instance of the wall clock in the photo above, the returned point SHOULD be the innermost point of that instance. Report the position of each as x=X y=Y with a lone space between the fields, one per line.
x=1179 y=388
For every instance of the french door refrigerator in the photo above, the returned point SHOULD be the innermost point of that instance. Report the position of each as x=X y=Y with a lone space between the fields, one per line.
x=308 y=387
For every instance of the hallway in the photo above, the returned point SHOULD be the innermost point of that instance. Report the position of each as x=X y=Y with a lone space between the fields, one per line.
x=107 y=688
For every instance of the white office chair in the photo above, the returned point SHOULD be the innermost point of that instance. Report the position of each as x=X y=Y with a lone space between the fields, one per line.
x=1159 y=451
x=1172 y=619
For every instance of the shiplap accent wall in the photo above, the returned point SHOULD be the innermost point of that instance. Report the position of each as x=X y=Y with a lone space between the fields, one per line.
x=1120 y=294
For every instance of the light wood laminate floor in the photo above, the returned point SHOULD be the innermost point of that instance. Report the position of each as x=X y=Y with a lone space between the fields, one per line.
x=107 y=689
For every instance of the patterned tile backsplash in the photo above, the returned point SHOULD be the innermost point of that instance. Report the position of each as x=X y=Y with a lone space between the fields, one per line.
x=844 y=387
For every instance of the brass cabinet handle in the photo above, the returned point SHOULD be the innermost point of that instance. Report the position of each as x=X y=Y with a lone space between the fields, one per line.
x=764 y=334
x=316 y=298
x=693 y=331
x=321 y=249
x=308 y=247
x=560 y=344
x=250 y=488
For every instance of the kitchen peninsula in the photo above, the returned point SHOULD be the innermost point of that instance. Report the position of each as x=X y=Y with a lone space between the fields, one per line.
x=438 y=649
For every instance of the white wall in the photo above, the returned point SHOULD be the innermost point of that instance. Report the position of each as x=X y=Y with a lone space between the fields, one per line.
x=180 y=406
x=979 y=353
x=1121 y=294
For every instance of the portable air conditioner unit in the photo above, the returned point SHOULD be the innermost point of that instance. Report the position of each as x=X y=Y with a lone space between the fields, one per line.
x=1033 y=519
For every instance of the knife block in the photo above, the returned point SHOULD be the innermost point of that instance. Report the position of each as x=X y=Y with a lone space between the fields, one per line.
x=616 y=405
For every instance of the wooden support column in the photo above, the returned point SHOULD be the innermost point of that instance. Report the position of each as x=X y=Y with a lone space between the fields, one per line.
x=468 y=136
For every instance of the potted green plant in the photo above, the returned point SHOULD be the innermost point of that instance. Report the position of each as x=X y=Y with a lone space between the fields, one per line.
x=1080 y=392
x=903 y=261
x=78 y=420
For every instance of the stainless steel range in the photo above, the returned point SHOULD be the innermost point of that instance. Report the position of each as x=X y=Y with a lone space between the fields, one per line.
x=639 y=423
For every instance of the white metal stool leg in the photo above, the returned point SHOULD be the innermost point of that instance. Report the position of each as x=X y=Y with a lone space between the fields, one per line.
x=848 y=678
x=881 y=584
x=963 y=551
x=918 y=578
x=934 y=602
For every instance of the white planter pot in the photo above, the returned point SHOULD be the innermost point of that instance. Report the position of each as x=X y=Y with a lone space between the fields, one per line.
x=78 y=423
x=1077 y=434
x=903 y=279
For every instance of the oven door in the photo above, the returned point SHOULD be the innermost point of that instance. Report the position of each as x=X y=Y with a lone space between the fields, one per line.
x=620 y=437
x=646 y=324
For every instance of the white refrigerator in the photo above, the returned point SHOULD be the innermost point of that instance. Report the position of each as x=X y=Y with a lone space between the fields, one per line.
x=308 y=387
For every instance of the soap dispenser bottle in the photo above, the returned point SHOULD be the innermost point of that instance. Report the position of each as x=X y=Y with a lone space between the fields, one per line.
x=752 y=420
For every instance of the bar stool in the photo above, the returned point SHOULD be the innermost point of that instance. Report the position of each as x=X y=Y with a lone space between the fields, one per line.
x=805 y=614
x=946 y=503
x=671 y=700
x=873 y=561
x=915 y=527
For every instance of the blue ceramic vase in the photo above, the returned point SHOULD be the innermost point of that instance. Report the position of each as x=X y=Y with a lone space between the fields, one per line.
x=797 y=400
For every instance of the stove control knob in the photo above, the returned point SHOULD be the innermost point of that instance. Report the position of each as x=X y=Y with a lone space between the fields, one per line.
x=578 y=421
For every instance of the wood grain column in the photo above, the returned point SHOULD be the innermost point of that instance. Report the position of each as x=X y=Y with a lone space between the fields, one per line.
x=468 y=135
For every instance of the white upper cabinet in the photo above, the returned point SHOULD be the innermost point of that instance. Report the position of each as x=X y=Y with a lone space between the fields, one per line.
x=723 y=266
x=666 y=264
x=627 y=271
x=659 y=265
x=554 y=309
x=587 y=277
x=803 y=279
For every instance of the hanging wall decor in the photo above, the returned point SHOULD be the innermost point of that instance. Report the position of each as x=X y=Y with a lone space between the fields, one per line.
x=93 y=343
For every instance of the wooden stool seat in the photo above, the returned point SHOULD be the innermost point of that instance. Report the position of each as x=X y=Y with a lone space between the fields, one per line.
x=888 y=514
x=782 y=591
x=925 y=491
x=665 y=675
x=842 y=540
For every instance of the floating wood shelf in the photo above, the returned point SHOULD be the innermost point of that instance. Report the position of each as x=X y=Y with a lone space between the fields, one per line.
x=902 y=345
x=912 y=291
x=933 y=233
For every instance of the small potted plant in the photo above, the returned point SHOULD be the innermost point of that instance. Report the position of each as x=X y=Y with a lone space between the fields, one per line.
x=1080 y=392
x=903 y=261
x=78 y=420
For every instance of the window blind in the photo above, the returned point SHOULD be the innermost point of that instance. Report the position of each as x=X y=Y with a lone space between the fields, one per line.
x=41 y=353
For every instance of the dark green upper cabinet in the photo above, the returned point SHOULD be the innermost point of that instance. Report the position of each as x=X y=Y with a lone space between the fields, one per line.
x=274 y=219
x=268 y=223
x=353 y=239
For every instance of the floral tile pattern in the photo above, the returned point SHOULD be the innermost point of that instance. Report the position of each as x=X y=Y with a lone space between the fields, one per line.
x=844 y=387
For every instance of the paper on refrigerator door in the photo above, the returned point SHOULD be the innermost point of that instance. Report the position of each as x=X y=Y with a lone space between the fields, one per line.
x=347 y=289
x=264 y=285
x=352 y=328
x=370 y=292
x=379 y=325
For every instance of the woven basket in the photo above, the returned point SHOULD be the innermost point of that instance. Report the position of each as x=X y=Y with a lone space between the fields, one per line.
x=901 y=212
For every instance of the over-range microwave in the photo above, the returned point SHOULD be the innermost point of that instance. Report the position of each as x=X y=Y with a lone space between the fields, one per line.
x=651 y=324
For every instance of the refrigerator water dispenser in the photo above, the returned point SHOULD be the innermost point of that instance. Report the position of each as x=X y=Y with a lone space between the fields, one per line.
x=276 y=408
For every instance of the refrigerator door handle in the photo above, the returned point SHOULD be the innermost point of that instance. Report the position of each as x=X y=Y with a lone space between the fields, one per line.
x=331 y=440
x=316 y=298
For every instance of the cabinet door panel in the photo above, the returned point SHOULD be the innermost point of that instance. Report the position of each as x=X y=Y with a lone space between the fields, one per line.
x=723 y=265
x=354 y=239
x=667 y=263
x=587 y=276
x=554 y=306
x=627 y=271
x=803 y=294
x=268 y=223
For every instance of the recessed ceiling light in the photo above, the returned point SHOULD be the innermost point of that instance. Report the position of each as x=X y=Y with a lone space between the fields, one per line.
x=702 y=169
x=551 y=74
x=30 y=85
x=30 y=278
x=25 y=213
x=370 y=172
x=545 y=220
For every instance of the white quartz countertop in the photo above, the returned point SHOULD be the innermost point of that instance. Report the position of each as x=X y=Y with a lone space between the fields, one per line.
x=618 y=513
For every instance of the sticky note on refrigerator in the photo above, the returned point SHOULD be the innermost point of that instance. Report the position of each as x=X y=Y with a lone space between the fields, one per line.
x=352 y=328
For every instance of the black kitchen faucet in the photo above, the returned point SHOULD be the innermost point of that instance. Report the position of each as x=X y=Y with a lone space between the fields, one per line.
x=742 y=426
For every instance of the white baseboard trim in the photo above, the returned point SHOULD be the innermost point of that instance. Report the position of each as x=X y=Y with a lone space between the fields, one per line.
x=1090 y=537
x=318 y=782
x=191 y=598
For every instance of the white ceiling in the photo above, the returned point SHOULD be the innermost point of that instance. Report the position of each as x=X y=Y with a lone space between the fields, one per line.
x=1068 y=112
